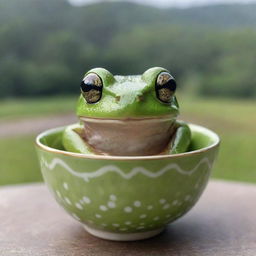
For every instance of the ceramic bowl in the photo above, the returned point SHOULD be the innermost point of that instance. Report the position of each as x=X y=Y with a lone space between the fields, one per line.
x=127 y=198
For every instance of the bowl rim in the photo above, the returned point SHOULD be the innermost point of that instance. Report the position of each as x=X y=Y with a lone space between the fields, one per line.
x=198 y=128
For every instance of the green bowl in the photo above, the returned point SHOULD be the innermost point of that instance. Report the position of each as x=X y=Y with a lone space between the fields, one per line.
x=127 y=198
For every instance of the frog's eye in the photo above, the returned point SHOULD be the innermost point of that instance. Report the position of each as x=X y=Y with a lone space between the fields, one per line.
x=165 y=87
x=91 y=88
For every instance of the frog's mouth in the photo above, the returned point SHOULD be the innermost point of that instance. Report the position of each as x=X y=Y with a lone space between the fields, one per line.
x=129 y=137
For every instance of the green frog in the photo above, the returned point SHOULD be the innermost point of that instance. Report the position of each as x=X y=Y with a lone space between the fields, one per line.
x=127 y=115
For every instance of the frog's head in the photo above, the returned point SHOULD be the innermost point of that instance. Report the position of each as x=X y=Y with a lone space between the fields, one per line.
x=136 y=111
x=150 y=95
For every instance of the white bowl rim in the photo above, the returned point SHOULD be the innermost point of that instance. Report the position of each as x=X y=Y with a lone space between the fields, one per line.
x=195 y=127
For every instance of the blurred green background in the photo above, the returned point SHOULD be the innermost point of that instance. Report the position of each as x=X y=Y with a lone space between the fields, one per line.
x=47 y=45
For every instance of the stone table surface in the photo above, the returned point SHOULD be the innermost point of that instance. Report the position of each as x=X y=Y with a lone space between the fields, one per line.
x=222 y=223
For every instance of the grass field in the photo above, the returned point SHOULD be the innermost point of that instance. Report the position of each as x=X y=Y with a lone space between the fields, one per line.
x=22 y=108
x=232 y=119
x=18 y=161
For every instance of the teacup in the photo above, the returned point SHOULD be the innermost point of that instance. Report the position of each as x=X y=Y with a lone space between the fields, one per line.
x=127 y=198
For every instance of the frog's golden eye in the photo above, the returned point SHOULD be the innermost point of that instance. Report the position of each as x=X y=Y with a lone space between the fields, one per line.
x=165 y=87
x=91 y=88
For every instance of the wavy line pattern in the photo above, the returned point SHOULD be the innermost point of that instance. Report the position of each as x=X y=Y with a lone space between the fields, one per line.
x=136 y=170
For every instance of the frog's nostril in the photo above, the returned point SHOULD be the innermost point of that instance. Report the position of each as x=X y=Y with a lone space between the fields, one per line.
x=118 y=98
x=139 y=98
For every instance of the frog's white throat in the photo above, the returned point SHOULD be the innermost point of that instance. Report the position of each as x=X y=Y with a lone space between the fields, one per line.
x=128 y=137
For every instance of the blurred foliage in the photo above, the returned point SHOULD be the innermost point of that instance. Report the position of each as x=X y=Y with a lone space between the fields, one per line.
x=47 y=45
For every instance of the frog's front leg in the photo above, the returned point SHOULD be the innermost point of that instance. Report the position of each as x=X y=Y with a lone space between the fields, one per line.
x=72 y=140
x=181 y=139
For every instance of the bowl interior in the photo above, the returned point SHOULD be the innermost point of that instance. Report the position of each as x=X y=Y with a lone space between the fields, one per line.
x=201 y=138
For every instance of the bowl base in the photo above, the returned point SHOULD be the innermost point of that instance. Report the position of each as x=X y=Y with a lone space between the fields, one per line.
x=122 y=237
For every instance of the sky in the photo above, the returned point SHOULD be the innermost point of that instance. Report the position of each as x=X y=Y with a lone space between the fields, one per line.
x=169 y=3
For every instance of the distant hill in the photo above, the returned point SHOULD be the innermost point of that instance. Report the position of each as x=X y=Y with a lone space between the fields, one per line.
x=119 y=17
x=225 y=16
x=235 y=15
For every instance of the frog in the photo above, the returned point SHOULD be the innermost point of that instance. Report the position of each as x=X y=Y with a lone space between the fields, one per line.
x=133 y=115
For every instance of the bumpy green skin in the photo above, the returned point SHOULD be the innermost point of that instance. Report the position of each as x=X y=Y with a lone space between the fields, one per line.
x=128 y=97
x=136 y=93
